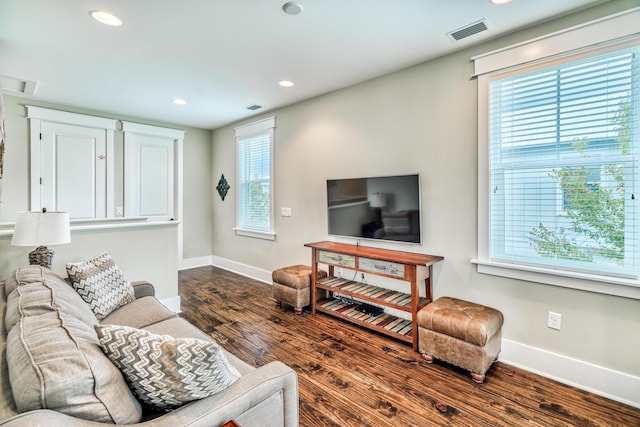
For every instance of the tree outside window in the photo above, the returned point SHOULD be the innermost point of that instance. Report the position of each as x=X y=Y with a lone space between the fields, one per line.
x=595 y=209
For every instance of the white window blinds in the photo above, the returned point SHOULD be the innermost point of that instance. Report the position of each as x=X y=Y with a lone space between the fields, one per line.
x=563 y=147
x=255 y=164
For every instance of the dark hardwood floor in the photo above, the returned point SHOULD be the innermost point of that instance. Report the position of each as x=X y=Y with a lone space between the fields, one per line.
x=352 y=377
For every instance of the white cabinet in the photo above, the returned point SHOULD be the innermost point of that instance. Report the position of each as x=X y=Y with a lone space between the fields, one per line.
x=86 y=166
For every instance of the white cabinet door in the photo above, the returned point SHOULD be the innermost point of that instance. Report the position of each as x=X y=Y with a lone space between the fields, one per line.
x=73 y=170
x=149 y=179
x=72 y=163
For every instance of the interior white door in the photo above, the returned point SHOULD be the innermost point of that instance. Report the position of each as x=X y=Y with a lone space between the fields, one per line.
x=73 y=170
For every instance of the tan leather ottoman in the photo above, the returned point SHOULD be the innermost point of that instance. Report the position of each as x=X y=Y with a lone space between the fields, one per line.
x=292 y=285
x=461 y=333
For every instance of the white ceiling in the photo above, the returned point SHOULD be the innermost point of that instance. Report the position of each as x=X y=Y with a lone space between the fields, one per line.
x=224 y=55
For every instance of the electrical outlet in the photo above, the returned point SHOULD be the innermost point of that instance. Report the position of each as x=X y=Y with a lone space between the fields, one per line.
x=554 y=321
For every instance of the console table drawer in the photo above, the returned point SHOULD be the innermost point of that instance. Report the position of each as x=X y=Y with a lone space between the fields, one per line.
x=384 y=267
x=342 y=260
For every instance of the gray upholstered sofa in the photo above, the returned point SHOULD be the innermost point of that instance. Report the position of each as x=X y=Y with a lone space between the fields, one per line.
x=264 y=396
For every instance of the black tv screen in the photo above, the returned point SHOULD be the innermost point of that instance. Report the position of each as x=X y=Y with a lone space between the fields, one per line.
x=384 y=208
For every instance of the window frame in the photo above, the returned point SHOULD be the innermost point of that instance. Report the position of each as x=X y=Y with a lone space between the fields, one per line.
x=243 y=133
x=563 y=47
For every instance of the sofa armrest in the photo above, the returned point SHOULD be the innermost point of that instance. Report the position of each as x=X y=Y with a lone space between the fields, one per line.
x=47 y=418
x=142 y=288
x=273 y=382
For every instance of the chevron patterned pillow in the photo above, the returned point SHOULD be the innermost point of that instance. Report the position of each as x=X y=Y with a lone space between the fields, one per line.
x=101 y=284
x=163 y=371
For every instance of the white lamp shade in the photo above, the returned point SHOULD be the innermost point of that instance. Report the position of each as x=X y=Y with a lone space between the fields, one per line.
x=41 y=229
x=377 y=200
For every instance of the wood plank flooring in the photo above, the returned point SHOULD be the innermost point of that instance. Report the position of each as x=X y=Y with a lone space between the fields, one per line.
x=352 y=377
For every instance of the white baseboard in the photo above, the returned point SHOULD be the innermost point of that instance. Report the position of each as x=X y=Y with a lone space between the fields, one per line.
x=188 y=263
x=172 y=303
x=600 y=380
x=243 y=269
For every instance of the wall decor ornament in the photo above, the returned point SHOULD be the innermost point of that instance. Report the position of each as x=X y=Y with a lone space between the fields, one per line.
x=223 y=187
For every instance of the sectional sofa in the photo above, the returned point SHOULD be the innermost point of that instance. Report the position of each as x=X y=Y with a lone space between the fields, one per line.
x=57 y=370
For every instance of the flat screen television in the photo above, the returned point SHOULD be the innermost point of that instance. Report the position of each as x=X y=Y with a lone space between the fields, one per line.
x=382 y=208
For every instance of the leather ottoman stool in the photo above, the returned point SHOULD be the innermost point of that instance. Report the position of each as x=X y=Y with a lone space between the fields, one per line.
x=292 y=285
x=461 y=333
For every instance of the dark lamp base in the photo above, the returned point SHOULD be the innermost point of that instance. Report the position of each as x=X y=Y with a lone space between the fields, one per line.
x=41 y=256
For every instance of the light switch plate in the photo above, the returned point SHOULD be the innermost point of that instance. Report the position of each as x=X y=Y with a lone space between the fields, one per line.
x=285 y=211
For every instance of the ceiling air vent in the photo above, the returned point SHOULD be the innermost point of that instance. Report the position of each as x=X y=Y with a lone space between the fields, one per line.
x=14 y=85
x=254 y=107
x=468 y=30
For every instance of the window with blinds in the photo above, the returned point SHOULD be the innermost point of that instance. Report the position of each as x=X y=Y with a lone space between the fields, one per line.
x=255 y=195
x=563 y=172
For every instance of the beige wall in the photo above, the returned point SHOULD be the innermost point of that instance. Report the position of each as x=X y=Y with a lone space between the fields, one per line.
x=142 y=254
x=423 y=119
x=149 y=253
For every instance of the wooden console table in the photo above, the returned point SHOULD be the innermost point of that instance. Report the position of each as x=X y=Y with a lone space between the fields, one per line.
x=381 y=262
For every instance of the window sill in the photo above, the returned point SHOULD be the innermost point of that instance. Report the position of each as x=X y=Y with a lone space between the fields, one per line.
x=608 y=285
x=255 y=234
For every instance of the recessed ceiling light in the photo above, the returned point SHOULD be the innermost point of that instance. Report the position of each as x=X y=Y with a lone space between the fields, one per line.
x=292 y=8
x=286 y=83
x=105 y=18
x=500 y=1
x=179 y=101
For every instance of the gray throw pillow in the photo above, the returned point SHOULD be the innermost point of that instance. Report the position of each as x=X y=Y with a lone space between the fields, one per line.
x=101 y=284
x=163 y=371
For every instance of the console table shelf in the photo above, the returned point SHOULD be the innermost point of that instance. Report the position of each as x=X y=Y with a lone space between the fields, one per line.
x=365 y=292
x=381 y=262
x=384 y=323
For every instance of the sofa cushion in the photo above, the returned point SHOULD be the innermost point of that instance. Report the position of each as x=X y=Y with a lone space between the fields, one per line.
x=178 y=327
x=101 y=284
x=7 y=405
x=53 y=356
x=163 y=371
x=140 y=313
x=41 y=291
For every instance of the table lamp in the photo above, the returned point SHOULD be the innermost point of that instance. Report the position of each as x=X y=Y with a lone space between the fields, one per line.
x=41 y=229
